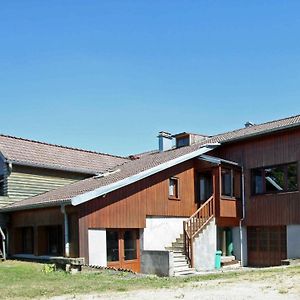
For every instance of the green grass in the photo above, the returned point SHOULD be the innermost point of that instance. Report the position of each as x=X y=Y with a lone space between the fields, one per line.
x=24 y=280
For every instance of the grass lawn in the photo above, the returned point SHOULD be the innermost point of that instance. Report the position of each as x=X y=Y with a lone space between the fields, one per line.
x=24 y=280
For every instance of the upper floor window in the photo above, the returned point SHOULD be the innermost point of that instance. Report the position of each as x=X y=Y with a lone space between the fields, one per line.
x=174 y=187
x=274 y=179
x=227 y=182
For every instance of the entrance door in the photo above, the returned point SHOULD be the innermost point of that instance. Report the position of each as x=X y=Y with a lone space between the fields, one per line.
x=266 y=246
x=205 y=186
x=123 y=249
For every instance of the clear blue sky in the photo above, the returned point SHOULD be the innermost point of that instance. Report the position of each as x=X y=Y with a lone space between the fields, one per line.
x=108 y=75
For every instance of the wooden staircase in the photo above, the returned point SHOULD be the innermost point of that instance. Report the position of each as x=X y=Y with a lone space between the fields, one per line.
x=181 y=265
x=194 y=225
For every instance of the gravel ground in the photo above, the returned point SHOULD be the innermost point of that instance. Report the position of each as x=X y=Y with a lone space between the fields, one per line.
x=279 y=286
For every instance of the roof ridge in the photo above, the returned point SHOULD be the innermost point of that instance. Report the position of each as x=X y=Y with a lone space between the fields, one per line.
x=254 y=125
x=61 y=146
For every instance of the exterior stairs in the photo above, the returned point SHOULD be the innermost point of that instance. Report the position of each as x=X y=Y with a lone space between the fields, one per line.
x=181 y=266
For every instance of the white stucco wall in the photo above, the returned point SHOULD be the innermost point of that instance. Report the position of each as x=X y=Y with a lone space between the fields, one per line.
x=205 y=246
x=97 y=247
x=293 y=241
x=160 y=232
x=237 y=244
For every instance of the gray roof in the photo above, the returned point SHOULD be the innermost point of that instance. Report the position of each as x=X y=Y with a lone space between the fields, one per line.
x=43 y=155
x=133 y=167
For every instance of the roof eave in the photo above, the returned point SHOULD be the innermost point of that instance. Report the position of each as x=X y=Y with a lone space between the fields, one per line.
x=49 y=167
x=36 y=206
x=255 y=134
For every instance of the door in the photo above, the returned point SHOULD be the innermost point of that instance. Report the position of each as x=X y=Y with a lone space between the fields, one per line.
x=205 y=186
x=266 y=245
x=123 y=249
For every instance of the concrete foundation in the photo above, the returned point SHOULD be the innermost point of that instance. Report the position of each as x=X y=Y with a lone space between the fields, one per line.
x=205 y=246
x=161 y=232
x=157 y=262
x=293 y=241
x=97 y=247
x=237 y=245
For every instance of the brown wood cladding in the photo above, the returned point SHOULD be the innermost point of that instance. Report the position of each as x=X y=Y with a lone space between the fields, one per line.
x=280 y=148
x=129 y=206
x=38 y=219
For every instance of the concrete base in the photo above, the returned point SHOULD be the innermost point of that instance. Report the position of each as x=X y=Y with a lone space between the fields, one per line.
x=97 y=247
x=293 y=241
x=236 y=239
x=157 y=262
x=205 y=246
x=160 y=232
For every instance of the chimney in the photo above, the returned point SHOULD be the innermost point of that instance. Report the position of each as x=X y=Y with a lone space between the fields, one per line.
x=164 y=141
x=249 y=124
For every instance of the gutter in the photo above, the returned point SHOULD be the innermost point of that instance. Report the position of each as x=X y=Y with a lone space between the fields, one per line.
x=134 y=178
x=35 y=206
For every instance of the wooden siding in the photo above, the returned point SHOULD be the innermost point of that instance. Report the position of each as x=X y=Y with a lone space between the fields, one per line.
x=25 y=182
x=280 y=148
x=38 y=219
x=129 y=206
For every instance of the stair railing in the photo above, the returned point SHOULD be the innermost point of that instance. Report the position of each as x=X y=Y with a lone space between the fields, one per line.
x=194 y=224
x=3 y=244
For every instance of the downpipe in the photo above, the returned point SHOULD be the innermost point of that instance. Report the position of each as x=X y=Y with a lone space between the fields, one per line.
x=243 y=217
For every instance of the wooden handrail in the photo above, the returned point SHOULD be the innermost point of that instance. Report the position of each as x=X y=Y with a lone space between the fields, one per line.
x=194 y=224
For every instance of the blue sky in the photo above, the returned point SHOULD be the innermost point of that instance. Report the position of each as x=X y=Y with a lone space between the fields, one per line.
x=108 y=75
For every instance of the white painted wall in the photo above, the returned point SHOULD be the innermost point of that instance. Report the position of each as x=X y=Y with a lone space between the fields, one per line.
x=237 y=244
x=97 y=247
x=293 y=241
x=160 y=232
x=205 y=246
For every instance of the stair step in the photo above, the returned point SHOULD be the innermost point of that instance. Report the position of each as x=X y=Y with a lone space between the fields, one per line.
x=225 y=259
x=175 y=249
x=188 y=271
x=230 y=263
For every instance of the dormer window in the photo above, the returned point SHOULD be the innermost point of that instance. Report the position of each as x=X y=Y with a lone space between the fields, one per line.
x=173 y=188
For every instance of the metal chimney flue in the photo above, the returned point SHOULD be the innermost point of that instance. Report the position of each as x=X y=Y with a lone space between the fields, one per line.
x=249 y=124
x=164 y=141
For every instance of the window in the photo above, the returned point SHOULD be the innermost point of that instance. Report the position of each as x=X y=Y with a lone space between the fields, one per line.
x=112 y=244
x=54 y=240
x=275 y=179
x=227 y=182
x=182 y=142
x=27 y=240
x=130 y=250
x=174 y=188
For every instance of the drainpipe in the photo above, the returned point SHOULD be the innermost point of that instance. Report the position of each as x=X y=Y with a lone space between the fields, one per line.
x=66 y=231
x=243 y=216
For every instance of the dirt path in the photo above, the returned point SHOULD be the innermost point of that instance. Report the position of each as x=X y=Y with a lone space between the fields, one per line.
x=279 y=286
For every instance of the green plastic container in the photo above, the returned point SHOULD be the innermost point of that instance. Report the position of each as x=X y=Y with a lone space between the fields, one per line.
x=218 y=259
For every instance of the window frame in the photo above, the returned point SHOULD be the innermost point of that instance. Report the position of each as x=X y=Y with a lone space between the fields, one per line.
x=231 y=171
x=177 y=193
x=263 y=169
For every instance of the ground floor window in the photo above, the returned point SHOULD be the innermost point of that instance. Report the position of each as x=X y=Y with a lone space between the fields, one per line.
x=27 y=240
x=54 y=234
x=122 y=247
